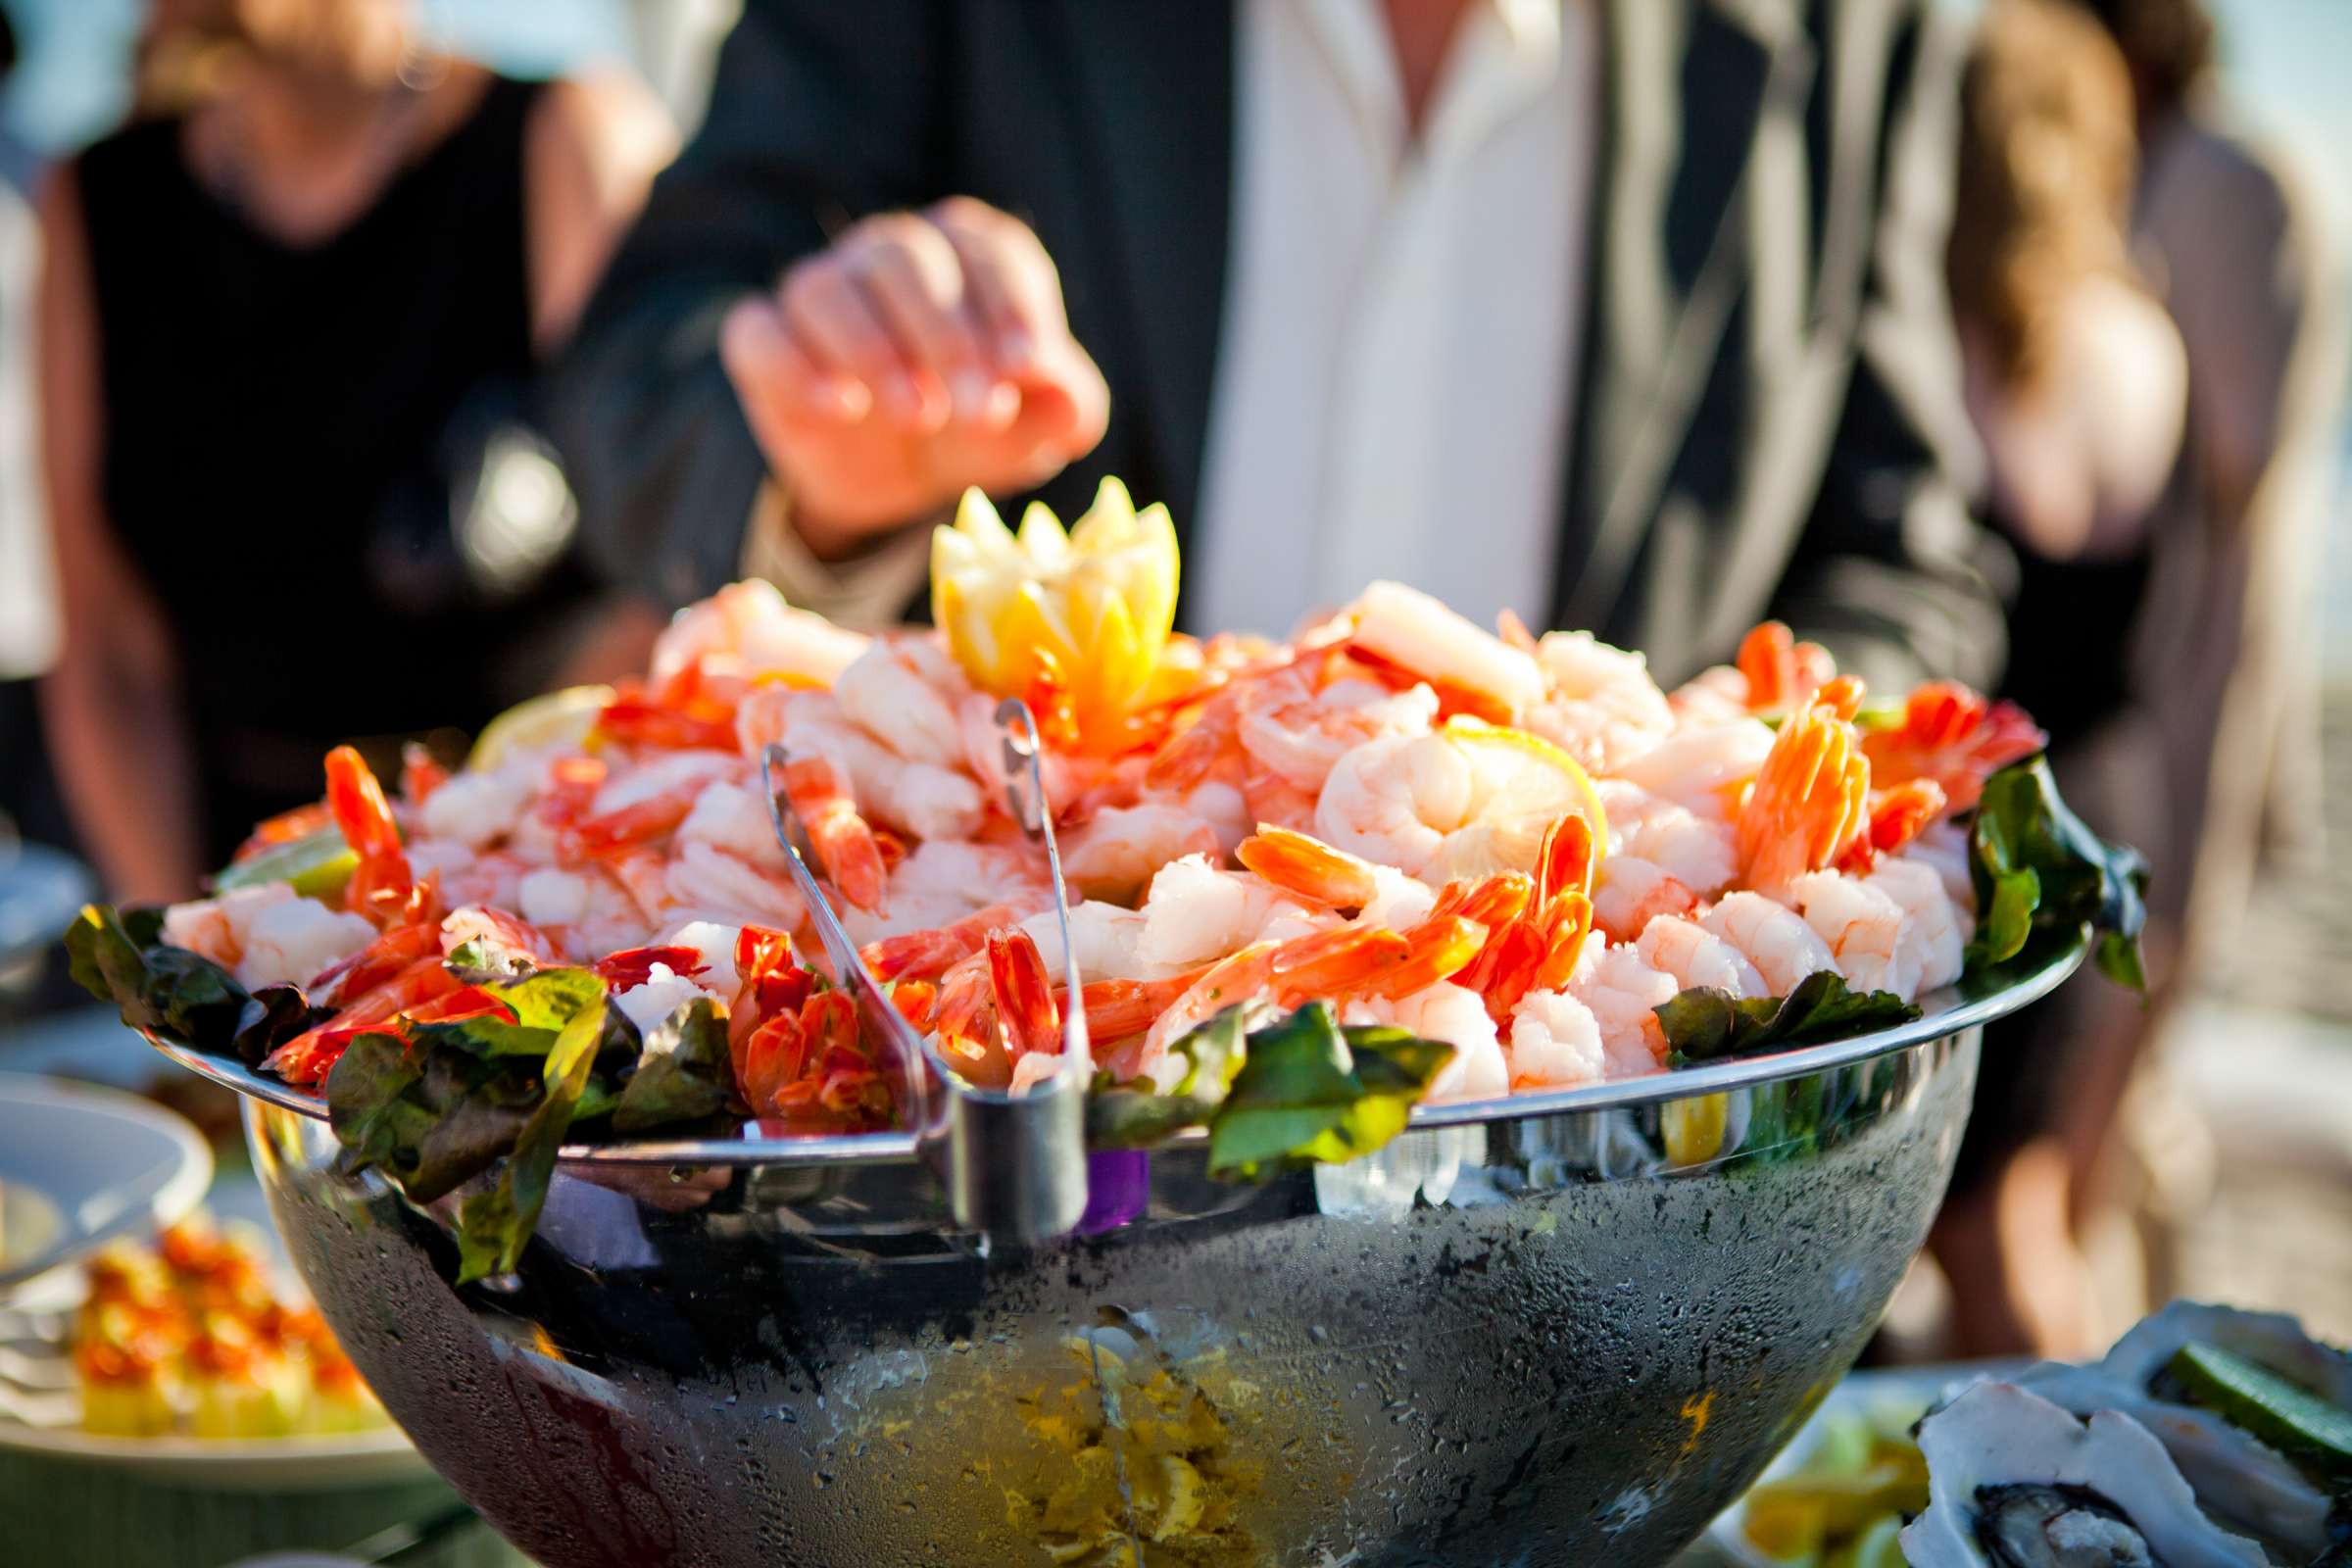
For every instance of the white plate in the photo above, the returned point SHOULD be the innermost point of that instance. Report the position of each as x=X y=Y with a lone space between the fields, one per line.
x=97 y=1164
x=370 y=1458
x=1893 y=1399
x=110 y=1165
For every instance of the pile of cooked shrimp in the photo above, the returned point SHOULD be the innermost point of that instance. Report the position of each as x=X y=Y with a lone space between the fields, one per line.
x=1518 y=845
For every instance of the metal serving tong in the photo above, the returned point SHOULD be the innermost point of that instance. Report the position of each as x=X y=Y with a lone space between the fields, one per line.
x=1014 y=1166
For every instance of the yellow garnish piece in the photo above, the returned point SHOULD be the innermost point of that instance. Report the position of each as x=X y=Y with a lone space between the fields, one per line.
x=1083 y=615
x=1694 y=1127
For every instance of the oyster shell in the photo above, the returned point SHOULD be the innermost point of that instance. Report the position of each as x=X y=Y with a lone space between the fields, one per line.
x=2016 y=1482
x=2272 y=1338
x=2242 y=1481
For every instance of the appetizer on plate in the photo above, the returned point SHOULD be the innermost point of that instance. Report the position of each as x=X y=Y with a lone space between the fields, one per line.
x=1396 y=858
x=191 y=1337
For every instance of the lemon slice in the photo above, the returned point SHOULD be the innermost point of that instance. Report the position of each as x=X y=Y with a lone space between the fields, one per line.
x=1524 y=784
x=557 y=719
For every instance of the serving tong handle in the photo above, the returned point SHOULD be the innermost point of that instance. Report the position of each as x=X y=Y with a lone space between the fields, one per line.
x=1014 y=1166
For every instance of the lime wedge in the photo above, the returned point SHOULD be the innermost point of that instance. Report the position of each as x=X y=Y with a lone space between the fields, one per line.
x=2260 y=1403
x=557 y=720
x=316 y=865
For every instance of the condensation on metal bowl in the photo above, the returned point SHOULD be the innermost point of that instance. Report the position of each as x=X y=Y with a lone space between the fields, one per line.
x=1556 y=1330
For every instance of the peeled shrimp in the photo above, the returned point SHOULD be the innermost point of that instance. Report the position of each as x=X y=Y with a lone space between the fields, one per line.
x=1299 y=740
x=1774 y=937
x=1695 y=764
x=1599 y=705
x=1458 y=1017
x=1632 y=892
x=927 y=799
x=751 y=624
x=1863 y=926
x=1696 y=956
x=1116 y=852
x=1623 y=991
x=476 y=810
x=885 y=693
x=1394 y=801
x=710 y=881
x=1555 y=1043
x=1194 y=913
x=1418 y=633
x=1931 y=932
x=292 y=940
x=215 y=928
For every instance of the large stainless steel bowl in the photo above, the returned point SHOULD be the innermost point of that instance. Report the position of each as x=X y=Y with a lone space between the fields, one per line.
x=1557 y=1329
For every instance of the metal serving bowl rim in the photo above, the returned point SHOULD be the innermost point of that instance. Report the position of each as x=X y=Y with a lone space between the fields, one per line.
x=1948 y=1015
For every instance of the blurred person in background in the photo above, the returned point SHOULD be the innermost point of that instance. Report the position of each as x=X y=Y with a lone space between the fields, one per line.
x=1618 y=313
x=28 y=619
x=2149 y=330
x=289 y=318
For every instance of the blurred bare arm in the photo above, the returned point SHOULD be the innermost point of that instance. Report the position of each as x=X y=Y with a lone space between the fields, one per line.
x=110 y=708
x=592 y=150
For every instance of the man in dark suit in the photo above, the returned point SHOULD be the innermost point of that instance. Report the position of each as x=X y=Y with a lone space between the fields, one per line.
x=1026 y=245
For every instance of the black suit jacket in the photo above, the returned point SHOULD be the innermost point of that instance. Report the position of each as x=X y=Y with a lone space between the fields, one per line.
x=1769 y=389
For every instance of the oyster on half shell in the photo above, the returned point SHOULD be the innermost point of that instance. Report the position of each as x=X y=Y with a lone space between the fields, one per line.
x=2241 y=1481
x=2016 y=1482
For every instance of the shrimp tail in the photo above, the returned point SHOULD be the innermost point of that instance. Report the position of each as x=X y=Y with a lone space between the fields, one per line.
x=1298 y=863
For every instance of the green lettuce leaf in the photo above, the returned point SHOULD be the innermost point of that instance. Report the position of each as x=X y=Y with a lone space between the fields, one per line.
x=1138 y=1115
x=543 y=1002
x=495 y=1224
x=120 y=956
x=1307 y=1094
x=432 y=1119
x=2036 y=866
x=271 y=1016
x=1707 y=1024
x=684 y=1072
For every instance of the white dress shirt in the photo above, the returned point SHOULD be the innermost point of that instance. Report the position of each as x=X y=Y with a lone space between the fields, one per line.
x=1401 y=334
x=1401 y=316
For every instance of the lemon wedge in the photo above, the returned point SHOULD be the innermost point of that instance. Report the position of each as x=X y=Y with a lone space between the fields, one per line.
x=1524 y=784
x=1086 y=610
x=559 y=719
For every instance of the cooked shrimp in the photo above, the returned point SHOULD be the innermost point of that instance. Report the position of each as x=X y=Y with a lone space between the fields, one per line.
x=926 y=799
x=1863 y=926
x=476 y=810
x=1298 y=739
x=1772 y=936
x=215 y=928
x=1308 y=867
x=1623 y=992
x=845 y=845
x=1195 y=913
x=1931 y=931
x=1955 y=737
x=1555 y=1043
x=1809 y=803
x=1457 y=1016
x=1696 y=766
x=918 y=955
x=292 y=940
x=1696 y=956
x=1632 y=892
x=750 y=623
x=884 y=692
x=1693 y=844
x=1116 y=852
x=1412 y=630
x=1394 y=801
x=1781 y=674
x=1599 y=705
x=712 y=882
x=1945 y=846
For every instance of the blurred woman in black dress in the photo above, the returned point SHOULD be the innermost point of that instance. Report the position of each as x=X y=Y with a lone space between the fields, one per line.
x=290 y=316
